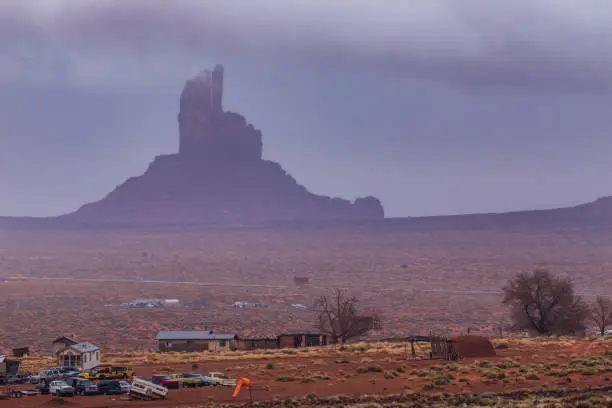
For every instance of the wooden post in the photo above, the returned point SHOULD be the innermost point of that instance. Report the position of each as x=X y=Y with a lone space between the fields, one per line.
x=412 y=349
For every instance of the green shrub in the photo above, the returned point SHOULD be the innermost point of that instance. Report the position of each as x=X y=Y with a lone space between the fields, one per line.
x=269 y=366
x=589 y=371
x=494 y=375
x=389 y=375
x=284 y=378
x=502 y=346
x=369 y=369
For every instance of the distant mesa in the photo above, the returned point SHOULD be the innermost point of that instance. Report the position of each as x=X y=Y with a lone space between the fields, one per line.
x=218 y=176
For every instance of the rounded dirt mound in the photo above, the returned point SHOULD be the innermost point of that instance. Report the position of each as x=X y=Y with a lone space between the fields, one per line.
x=473 y=346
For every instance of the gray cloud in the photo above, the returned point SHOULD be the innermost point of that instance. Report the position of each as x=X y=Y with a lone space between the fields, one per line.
x=435 y=106
x=555 y=43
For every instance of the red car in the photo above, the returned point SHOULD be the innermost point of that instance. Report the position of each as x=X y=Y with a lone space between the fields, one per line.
x=165 y=381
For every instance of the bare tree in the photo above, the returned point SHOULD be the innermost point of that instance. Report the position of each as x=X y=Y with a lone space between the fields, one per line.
x=601 y=313
x=545 y=304
x=339 y=319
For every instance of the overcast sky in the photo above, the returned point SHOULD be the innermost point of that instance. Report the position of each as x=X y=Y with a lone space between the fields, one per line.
x=434 y=106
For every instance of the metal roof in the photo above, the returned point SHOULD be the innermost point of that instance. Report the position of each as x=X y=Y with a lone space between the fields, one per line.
x=68 y=339
x=193 y=335
x=84 y=347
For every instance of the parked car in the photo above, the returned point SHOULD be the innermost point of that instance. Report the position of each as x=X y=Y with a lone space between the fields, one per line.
x=66 y=369
x=125 y=387
x=191 y=380
x=47 y=375
x=109 y=387
x=43 y=387
x=106 y=372
x=165 y=381
x=61 y=388
x=19 y=379
x=216 y=378
x=83 y=386
x=70 y=374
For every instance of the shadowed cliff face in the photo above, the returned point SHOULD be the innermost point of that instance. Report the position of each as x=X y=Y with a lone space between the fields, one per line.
x=218 y=176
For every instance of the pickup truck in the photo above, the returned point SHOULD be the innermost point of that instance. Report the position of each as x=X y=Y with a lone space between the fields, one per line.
x=83 y=386
x=147 y=390
x=47 y=375
x=216 y=378
x=60 y=388
x=165 y=381
x=190 y=380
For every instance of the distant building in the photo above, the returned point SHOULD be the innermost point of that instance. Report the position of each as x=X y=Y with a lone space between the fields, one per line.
x=299 y=340
x=143 y=303
x=241 y=304
x=61 y=343
x=195 y=340
x=84 y=355
x=299 y=306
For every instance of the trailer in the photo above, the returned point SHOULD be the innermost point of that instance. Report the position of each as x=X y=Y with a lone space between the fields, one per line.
x=147 y=390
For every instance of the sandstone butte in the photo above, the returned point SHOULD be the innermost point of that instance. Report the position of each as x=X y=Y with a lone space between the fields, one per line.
x=218 y=176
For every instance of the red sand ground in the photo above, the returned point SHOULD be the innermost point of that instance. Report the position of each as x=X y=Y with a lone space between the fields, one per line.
x=344 y=379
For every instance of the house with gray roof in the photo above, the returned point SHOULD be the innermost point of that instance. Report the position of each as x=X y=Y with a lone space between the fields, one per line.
x=195 y=340
x=84 y=356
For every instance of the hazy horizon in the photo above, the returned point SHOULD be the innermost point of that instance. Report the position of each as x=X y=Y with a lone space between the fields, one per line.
x=435 y=107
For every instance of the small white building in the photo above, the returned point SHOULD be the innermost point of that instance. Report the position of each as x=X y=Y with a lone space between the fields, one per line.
x=84 y=355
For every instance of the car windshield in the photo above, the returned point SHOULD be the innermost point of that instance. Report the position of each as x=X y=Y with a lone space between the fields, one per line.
x=61 y=384
x=163 y=377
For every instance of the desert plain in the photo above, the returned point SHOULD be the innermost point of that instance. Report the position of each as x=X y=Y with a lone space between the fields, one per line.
x=419 y=280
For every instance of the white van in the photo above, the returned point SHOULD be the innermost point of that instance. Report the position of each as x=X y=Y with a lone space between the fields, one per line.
x=143 y=389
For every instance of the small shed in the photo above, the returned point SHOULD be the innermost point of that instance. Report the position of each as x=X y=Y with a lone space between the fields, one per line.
x=473 y=346
x=195 y=340
x=84 y=356
x=8 y=367
x=61 y=343
x=21 y=351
